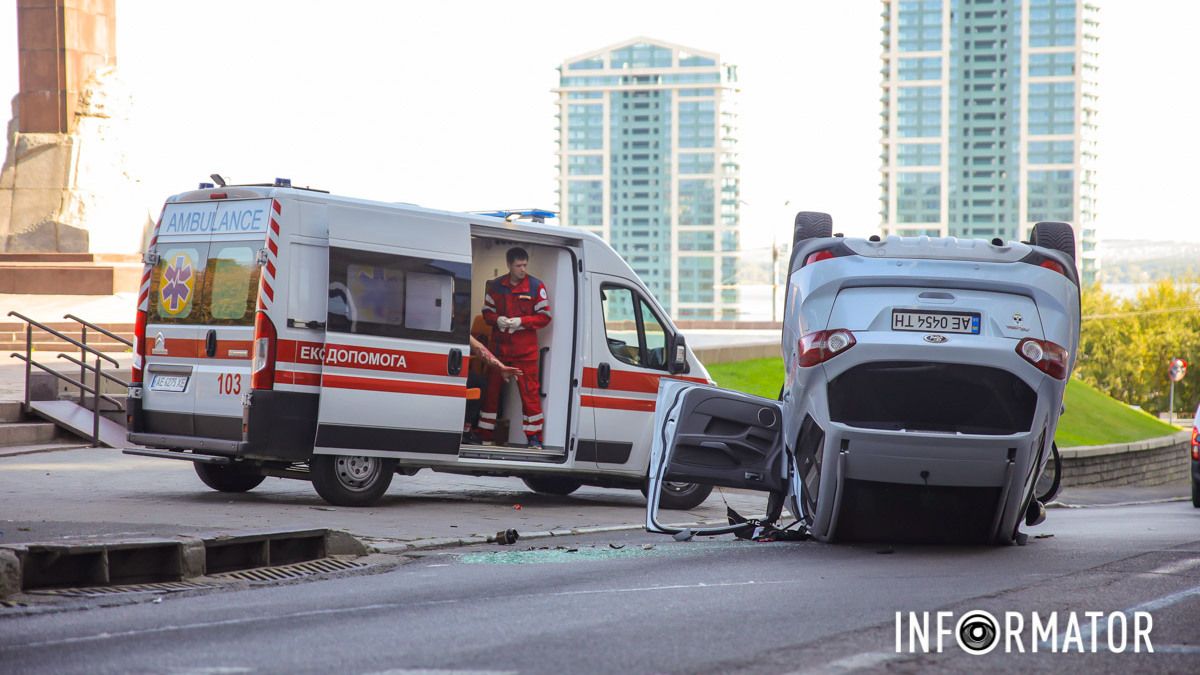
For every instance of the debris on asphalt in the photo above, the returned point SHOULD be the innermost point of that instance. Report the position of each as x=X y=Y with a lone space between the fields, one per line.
x=516 y=507
x=1044 y=535
x=647 y=547
x=616 y=546
x=684 y=535
x=317 y=508
x=505 y=537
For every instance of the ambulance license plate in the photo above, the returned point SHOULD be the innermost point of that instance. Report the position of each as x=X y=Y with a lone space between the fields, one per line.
x=168 y=382
x=936 y=322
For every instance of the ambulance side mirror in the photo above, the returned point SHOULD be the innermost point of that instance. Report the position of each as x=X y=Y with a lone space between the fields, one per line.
x=678 y=355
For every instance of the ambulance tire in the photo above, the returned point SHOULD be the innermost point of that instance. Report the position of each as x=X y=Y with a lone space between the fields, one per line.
x=229 y=477
x=1058 y=236
x=552 y=485
x=681 y=496
x=812 y=225
x=345 y=480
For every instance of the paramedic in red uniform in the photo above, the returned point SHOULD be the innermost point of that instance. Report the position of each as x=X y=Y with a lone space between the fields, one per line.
x=515 y=306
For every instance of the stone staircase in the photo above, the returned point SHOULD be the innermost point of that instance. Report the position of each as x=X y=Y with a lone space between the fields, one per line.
x=12 y=337
x=69 y=273
x=20 y=434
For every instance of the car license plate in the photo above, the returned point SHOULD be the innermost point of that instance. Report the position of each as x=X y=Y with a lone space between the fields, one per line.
x=935 y=322
x=169 y=382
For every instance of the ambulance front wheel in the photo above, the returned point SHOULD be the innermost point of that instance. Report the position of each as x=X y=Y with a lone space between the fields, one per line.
x=229 y=477
x=351 y=480
x=681 y=496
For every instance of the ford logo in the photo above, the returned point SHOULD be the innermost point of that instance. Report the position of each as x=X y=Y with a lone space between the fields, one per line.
x=935 y=338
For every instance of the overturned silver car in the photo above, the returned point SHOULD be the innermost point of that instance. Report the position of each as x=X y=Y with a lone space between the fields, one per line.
x=925 y=380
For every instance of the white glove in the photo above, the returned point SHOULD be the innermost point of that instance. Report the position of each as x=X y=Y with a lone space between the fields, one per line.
x=503 y=322
x=514 y=323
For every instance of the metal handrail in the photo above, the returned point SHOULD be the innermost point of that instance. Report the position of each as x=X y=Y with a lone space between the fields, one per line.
x=84 y=347
x=98 y=329
x=84 y=352
x=84 y=364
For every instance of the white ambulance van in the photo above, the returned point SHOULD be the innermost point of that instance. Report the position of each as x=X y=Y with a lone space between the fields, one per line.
x=290 y=332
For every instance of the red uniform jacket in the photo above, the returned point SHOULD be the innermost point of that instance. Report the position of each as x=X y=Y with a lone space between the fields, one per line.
x=527 y=300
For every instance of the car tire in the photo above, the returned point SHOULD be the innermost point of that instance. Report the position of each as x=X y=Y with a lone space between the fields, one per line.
x=229 y=477
x=812 y=225
x=1054 y=235
x=350 y=480
x=681 y=496
x=1195 y=494
x=552 y=485
x=1050 y=480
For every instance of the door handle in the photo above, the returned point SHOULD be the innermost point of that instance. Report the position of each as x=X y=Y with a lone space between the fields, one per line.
x=454 y=362
x=210 y=343
x=603 y=375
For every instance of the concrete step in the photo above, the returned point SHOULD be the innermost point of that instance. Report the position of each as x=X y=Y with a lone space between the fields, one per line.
x=27 y=433
x=10 y=411
x=56 y=346
x=69 y=278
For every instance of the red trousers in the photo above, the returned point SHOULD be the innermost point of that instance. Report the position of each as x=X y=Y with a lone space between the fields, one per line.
x=528 y=385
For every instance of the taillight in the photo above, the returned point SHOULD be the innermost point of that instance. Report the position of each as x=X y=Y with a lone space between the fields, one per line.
x=262 y=374
x=823 y=345
x=1045 y=262
x=1045 y=356
x=139 y=347
x=818 y=256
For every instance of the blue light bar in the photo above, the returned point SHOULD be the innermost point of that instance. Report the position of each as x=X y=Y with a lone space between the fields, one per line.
x=283 y=182
x=206 y=186
x=536 y=215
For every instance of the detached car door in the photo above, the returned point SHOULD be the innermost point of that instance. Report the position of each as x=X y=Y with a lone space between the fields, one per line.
x=393 y=374
x=705 y=434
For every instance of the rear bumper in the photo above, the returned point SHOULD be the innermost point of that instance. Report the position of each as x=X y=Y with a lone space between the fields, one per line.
x=214 y=445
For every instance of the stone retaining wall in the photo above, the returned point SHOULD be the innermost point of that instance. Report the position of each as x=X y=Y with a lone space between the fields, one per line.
x=732 y=353
x=1151 y=462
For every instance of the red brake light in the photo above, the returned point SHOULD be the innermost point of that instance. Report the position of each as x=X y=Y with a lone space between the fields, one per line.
x=1045 y=356
x=1053 y=266
x=818 y=256
x=139 y=347
x=823 y=345
x=218 y=195
x=262 y=374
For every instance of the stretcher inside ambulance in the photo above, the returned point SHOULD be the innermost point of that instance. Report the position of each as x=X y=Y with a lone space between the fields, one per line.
x=292 y=333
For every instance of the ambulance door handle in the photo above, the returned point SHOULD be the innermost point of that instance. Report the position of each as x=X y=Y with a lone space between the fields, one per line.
x=454 y=362
x=210 y=343
x=603 y=375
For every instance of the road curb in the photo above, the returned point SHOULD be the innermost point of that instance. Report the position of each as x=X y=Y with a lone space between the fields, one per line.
x=395 y=548
x=1166 y=500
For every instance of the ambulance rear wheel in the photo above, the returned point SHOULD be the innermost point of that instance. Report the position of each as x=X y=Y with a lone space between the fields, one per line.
x=229 y=477
x=681 y=496
x=551 y=485
x=351 y=480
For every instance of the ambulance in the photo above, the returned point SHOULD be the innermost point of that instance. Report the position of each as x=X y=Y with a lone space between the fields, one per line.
x=289 y=332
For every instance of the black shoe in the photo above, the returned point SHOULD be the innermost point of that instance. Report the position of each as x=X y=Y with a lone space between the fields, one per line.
x=472 y=438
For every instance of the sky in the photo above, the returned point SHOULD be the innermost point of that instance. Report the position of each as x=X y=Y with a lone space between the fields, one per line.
x=448 y=104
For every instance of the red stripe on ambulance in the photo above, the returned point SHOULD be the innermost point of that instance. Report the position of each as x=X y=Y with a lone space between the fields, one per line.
x=367 y=358
x=393 y=386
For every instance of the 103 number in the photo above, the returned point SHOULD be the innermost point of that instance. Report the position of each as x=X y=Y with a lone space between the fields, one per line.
x=229 y=384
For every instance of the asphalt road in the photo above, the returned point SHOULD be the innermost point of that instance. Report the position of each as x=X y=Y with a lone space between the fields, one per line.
x=634 y=602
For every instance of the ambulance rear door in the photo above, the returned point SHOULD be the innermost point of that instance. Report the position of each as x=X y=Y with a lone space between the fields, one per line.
x=394 y=363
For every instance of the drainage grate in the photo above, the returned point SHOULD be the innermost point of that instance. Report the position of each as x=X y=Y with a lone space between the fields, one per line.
x=96 y=591
x=296 y=571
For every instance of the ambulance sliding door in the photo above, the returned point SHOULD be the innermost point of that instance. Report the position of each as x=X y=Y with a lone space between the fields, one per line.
x=393 y=380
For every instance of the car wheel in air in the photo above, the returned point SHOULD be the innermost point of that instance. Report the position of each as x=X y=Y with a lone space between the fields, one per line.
x=1058 y=236
x=351 y=480
x=812 y=225
x=229 y=477
x=552 y=485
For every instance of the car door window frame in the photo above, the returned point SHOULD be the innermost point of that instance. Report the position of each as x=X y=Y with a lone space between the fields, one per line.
x=639 y=301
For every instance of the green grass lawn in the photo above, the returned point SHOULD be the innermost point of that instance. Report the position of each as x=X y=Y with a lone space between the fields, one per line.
x=1091 y=418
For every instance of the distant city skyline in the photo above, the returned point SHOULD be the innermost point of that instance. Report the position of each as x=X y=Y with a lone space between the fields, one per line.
x=990 y=119
x=648 y=160
x=426 y=104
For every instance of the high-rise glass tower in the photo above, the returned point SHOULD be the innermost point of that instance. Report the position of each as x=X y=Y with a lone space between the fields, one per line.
x=647 y=159
x=989 y=119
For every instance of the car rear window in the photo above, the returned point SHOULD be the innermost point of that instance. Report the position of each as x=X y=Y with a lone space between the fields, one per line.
x=202 y=283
